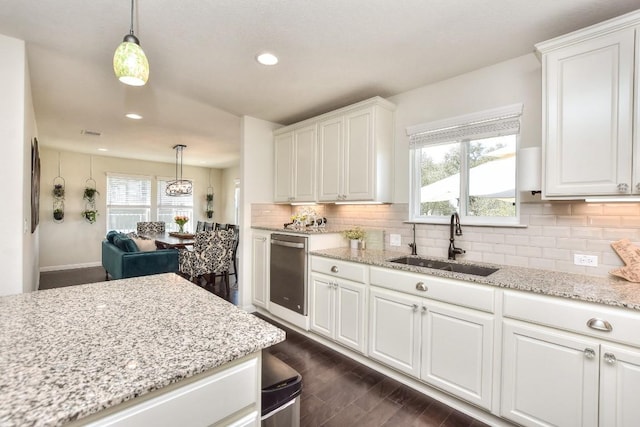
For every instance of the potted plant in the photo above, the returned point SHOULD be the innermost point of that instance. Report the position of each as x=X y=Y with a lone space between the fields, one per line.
x=209 y=197
x=58 y=214
x=90 y=193
x=355 y=236
x=90 y=215
x=58 y=191
x=209 y=213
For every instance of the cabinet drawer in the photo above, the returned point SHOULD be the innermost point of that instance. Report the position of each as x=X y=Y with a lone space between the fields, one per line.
x=452 y=291
x=575 y=316
x=337 y=268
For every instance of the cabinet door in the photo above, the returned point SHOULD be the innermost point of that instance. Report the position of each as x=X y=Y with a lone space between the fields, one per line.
x=619 y=387
x=457 y=352
x=330 y=169
x=304 y=183
x=260 y=269
x=589 y=114
x=359 y=168
x=321 y=303
x=283 y=167
x=394 y=330
x=549 y=378
x=351 y=314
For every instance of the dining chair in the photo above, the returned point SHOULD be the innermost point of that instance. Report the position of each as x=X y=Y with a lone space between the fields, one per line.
x=209 y=226
x=200 y=226
x=222 y=226
x=210 y=257
x=150 y=227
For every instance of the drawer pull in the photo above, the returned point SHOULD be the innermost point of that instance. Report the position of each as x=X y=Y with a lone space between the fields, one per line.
x=589 y=353
x=420 y=286
x=334 y=269
x=415 y=307
x=600 y=325
x=610 y=358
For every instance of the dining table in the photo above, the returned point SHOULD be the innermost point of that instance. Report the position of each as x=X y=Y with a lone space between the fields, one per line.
x=169 y=240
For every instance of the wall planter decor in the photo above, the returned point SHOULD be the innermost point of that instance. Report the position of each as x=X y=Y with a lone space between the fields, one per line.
x=209 y=199
x=90 y=213
x=58 y=199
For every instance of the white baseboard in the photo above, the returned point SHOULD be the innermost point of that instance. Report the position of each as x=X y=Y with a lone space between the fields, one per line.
x=70 y=266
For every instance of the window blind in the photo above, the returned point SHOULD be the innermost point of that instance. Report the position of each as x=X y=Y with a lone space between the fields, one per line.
x=490 y=123
x=128 y=191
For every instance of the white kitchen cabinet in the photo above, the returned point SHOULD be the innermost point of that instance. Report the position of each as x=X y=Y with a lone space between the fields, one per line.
x=549 y=378
x=338 y=306
x=338 y=310
x=260 y=241
x=588 y=111
x=619 y=386
x=355 y=150
x=295 y=165
x=394 y=330
x=457 y=351
x=564 y=366
x=439 y=330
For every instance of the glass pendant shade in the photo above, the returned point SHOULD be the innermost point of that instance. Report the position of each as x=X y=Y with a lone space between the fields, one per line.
x=130 y=64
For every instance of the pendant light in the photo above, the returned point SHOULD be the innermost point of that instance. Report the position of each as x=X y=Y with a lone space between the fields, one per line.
x=129 y=62
x=179 y=187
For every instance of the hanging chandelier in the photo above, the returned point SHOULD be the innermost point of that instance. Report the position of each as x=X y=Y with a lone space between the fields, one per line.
x=129 y=61
x=179 y=187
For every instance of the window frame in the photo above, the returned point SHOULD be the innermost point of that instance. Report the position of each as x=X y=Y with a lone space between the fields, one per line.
x=109 y=206
x=456 y=126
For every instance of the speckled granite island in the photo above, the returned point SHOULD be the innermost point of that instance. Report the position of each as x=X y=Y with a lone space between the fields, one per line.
x=104 y=348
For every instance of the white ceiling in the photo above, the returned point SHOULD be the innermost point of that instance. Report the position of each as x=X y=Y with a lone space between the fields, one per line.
x=204 y=77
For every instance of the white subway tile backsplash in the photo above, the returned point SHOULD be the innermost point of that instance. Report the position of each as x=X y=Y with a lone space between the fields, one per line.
x=554 y=232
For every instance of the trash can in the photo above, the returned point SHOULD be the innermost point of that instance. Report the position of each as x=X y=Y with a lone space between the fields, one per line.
x=281 y=388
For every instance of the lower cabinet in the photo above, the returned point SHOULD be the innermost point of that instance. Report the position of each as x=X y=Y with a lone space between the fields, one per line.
x=260 y=268
x=549 y=378
x=556 y=378
x=338 y=310
x=444 y=345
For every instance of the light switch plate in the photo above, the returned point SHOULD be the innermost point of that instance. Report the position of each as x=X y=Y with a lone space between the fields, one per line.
x=395 y=240
x=588 y=260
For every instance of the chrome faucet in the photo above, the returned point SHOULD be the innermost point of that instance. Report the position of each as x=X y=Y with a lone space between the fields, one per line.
x=455 y=225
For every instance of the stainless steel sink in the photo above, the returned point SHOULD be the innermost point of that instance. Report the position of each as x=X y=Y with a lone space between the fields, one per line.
x=475 y=270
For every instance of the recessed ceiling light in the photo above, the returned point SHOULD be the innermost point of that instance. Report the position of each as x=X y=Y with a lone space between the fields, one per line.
x=102 y=149
x=133 y=116
x=267 y=58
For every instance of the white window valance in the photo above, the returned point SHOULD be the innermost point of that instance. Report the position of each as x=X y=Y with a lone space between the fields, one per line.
x=489 y=123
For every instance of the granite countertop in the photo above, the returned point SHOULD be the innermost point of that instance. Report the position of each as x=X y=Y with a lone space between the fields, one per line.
x=602 y=290
x=308 y=230
x=69 y=352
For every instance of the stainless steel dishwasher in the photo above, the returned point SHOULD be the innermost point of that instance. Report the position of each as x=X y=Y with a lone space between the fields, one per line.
x=288 y=277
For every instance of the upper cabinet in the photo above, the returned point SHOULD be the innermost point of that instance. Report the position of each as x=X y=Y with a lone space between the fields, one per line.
x=354 y=156
x=295 y=165
x=589 y=115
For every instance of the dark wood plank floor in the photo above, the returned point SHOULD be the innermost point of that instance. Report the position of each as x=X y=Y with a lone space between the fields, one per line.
x=338 y=391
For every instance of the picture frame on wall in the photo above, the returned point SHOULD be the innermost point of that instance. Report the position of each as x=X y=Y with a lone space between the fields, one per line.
x=35 y=185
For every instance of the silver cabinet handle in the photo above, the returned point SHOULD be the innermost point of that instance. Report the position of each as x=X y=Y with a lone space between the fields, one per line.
x=599 y=325
x=623 y=187
x=415 y=307
x=638 y=186
x=589 y=353
x=334 y=269
x=610 y=358
x=420 y=286
x=424 y=310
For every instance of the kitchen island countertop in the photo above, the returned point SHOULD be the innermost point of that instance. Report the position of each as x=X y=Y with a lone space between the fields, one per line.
x=69 y=352
x=601 y=290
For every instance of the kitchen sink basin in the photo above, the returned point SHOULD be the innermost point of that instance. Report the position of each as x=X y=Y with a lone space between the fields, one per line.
x=475 y=270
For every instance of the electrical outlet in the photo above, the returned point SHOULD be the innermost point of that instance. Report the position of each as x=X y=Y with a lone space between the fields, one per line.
x=588 y=260
x=395 y=240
